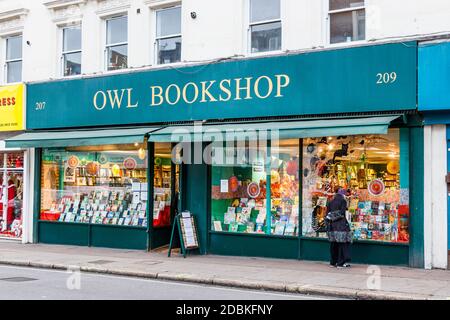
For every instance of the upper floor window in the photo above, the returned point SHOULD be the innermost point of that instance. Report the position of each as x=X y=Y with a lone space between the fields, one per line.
x=265 y=25
x=168 y=35
x=117 y=43
x=71 y=50
x=13 y=59
x=347 y=20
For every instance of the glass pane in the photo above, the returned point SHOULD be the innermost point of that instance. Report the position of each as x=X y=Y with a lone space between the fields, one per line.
x=72 y=64
x=366 y=170
x=98 y=185
x=117 y=30
x=284 y=187
x=238 y=195
x=14 y=160
x=117 y=57
x=14 y=48
x=14 y=71
x=348 y=26
x=168 y=22
x=11 y=201
x=169 y=50
x=162 y=202
x=262 y=10
x=344 y=4
x=266 y=37
x=72 y=39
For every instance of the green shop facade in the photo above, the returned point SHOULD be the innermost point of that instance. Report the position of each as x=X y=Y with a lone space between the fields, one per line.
x=253 y=148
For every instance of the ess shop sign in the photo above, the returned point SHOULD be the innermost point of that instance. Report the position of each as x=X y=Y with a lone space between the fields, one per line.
x=12 y=108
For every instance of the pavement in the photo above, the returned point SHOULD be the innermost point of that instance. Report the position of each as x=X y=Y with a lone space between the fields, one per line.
x=290 y=276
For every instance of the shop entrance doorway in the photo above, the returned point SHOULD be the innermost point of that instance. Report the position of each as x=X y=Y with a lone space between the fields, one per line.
x=166 y=193
x=11 y=194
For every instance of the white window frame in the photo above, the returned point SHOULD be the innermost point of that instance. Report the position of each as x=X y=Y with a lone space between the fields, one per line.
x=262 y=22
x=350 y=9
x=64 y=53
x=107 y=46
x=175 y=35
x=8 y=61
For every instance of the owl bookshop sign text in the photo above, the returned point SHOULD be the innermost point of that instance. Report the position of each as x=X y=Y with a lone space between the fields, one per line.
x=364 y=79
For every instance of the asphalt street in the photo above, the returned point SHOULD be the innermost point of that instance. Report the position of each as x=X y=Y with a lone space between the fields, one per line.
x=18 y=283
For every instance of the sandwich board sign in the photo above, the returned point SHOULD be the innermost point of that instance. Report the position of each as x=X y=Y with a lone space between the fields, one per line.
x=186 y=225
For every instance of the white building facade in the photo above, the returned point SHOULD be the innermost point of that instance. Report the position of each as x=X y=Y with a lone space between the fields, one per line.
x=66 y=39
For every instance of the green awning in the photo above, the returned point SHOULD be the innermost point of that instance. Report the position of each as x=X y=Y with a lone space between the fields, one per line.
x=48 y=139
x=282 y=129
x=219 y=132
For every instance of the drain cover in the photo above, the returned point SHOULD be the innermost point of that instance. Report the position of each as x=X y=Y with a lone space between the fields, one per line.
x=18 y=279
x=101 y=261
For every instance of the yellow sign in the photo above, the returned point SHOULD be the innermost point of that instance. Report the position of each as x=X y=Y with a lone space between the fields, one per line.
x=11 y=108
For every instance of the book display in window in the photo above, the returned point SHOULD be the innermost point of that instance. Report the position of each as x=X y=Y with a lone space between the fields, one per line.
x=368 y=168
x=95 y=186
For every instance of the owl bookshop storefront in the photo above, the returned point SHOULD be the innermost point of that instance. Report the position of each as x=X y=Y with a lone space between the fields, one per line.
x=250 y=147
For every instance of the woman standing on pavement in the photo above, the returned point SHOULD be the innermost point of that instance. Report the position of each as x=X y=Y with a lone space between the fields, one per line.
x=338 y=230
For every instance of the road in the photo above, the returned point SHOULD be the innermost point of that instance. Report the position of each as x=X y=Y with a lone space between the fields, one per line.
x=18 y=283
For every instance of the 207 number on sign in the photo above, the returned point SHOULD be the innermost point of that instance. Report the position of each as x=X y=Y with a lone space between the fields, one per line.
x=386 y=77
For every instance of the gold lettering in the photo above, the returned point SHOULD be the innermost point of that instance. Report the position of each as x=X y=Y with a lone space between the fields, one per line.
x=115 y=100
x=205 y=91
x=246 y=88
x=185 y=88
x=96 y=98
x=225 y=90
x=157 y=95
x=130 y=105
x=281 y=84
x=269 y=90
x=178 y=92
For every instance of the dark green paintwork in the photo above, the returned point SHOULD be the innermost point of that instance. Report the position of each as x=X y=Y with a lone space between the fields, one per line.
x=37 y=193
x=253 y=245
x=362 y=252
x=81 y=234
x=76 y=234
x=118 y=237
x=196 y=197
x=416 y=253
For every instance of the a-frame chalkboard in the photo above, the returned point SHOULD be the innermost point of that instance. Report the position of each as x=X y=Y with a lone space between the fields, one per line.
x=186 y=225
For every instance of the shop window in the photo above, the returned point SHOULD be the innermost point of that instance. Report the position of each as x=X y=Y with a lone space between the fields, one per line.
x=265 y=25
x=11 y=194
x=98 y=185
x=71 y=50
x=240 y=189
x=165 y=186
x=13 y=59
x=347 y=20
x=117 y=43
x=168 y=35
x=373 y=169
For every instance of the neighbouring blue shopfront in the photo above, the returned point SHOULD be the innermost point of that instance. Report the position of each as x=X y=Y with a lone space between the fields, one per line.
x=347 y=117
x=434 y=94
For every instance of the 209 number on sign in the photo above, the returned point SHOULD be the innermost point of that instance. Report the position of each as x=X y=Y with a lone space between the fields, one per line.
x=386 y=77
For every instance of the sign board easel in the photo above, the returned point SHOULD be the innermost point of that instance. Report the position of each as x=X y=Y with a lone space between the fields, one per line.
x=186 y=225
